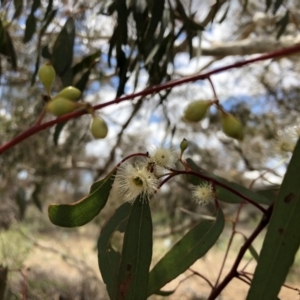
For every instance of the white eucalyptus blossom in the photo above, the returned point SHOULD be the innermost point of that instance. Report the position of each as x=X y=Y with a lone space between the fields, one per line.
x=135 y=180
x=286 y=141
x=163 y=157
x=203 y=193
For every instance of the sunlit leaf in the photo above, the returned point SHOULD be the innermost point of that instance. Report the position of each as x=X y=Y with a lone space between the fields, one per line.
x=136 y=254
x=185 y=252
x=108 y=257
x=224 y=194
x=83 y=211
x=282 y=240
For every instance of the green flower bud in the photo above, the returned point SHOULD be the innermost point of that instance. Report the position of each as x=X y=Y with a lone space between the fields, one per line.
x=196 y=110
x=183 y=145
x=232 y=127
x=98 y=128
x=70 y=92
x=59 y=106
x=46 y=75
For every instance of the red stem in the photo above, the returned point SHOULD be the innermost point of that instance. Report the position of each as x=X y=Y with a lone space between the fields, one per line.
x=155 y=89
x=233 y=272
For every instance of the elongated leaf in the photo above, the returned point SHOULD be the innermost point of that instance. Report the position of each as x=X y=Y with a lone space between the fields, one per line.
x=62 y=54
x=35 y=5
x=157 y=14
x=276 y=5
x=3 y=280
x=86 y=63
x=83 y=211
x=282 y=239
x=224 y=194
x=18 y=8
x=49 y=9
x=185 y=252
x=21 y=201
x=30 y=28
x=35 y=196
x=136 y=254
x=108 y=257
x=282 y=24
x=6 y=46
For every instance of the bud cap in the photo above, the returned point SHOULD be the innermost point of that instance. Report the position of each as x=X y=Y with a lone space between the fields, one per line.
x=70 y=92
x=98 y=128
x=196 y=110
x=231 y=126
x=59 y=106
x=46 y=75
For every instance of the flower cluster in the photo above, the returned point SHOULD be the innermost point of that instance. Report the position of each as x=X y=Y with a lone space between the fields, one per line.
x=143 y=178
x=203 y=193
x=286 y=139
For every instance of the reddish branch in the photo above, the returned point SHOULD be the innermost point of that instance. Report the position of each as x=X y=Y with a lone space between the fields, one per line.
x=234 y=272
x=155 y=89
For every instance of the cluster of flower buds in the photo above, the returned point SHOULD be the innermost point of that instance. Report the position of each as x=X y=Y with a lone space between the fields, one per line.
x=66 y=101
x=143 y=178
x=197 y=110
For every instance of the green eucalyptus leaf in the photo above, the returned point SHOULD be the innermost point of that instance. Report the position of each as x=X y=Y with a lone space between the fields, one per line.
x=84 y=210
x=21 y=201
x=3 y=280
x=35 y=196
x=6 y=46
x=62 y=53
x=86 y=63
x=108 y=257
x=224 y=194
x=30 y=28
x=282 y=240
x=18 y=8
x=136 y=253
x=185 y=252
x=282 y=24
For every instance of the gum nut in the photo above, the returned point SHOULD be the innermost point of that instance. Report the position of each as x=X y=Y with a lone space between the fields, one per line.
x=59 y=106
x=183 y=145
x=232 y=127
x=196 y=110
x=70 y=92
x=46 y=75
x=98 y=128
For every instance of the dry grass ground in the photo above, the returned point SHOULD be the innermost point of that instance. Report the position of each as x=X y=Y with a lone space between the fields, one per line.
x=62 y=265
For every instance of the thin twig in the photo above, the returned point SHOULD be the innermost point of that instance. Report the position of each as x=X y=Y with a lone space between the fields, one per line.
x=233 y=272
x=148 y=91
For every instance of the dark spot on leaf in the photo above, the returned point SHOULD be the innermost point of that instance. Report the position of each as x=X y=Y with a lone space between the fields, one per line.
x=289 y=198
x=281 y=230
x=128 y=267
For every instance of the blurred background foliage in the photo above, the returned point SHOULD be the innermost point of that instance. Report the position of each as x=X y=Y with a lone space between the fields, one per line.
x=109 y=48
